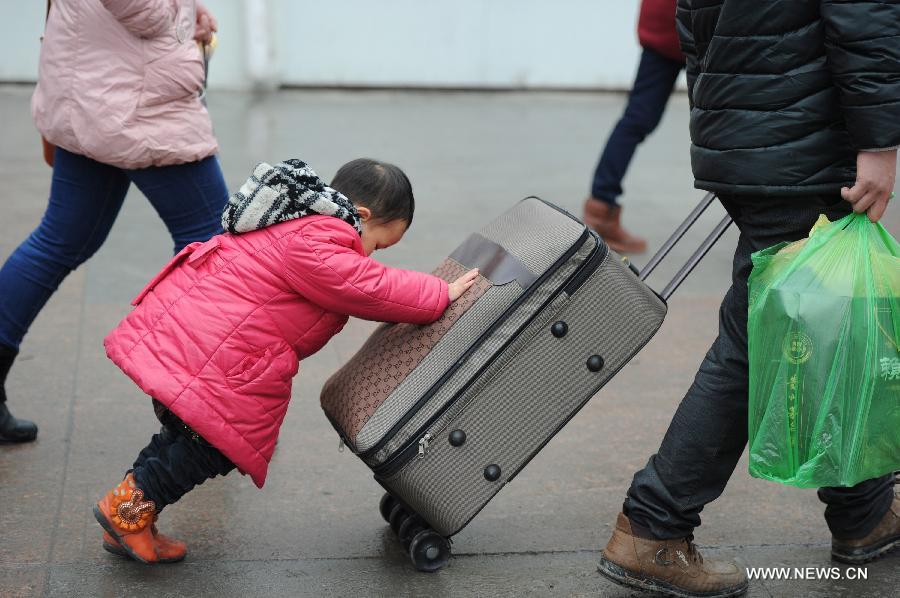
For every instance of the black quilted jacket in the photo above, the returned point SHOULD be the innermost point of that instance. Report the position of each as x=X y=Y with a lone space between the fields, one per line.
x=785 y=92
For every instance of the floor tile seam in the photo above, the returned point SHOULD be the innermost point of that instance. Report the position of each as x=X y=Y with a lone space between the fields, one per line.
x=520 y=553
x=70 y=426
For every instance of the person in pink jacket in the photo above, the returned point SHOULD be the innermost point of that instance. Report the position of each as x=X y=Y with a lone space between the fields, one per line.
x=216 y=337
x=118 y=95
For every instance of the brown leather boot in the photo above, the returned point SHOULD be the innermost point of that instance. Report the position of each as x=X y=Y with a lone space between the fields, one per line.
x=607 y=221
x=883 y=539
x=667 y=567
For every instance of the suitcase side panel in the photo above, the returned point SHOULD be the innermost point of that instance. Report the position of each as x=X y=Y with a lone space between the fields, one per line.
x=367 y=397
x=447 y=349
x=352 y=397
x=482 y=355
x=529 y=398
x=533 y=236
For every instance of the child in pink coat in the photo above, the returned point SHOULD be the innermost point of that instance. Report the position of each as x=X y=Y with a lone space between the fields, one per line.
x=217 y=336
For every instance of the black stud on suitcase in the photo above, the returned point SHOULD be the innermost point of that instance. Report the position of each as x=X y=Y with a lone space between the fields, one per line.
x=446 y=414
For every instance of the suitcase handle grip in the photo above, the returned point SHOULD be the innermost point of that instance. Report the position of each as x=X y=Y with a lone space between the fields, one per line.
x=696 y=257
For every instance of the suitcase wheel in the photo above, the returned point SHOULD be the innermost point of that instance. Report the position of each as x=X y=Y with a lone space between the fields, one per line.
x=410 y=526
x=398 y=515
x=429 y=551
x=386 y=505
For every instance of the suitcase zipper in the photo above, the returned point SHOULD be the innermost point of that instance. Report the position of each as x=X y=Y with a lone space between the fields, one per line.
x=484 y=336
x=423 y=445
x=403 y=455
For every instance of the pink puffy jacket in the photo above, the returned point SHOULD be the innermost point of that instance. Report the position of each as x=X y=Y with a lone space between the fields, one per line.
x=217 y=335
x=118 y=82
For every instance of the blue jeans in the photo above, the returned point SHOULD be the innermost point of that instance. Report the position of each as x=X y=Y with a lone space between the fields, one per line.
x=652 y=87
x=709 y=430
x=85 y=198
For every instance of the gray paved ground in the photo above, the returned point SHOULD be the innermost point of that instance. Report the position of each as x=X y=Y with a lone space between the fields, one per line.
x=315 y=529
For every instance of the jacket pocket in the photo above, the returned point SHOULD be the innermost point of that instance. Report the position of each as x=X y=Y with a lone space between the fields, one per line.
x=263 y=373
x=176 y=75
x=250 y=368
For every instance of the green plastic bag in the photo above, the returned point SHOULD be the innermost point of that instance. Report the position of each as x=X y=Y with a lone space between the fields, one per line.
x=823 y=328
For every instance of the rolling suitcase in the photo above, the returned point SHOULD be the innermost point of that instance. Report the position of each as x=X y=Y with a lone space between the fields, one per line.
x=448 y=413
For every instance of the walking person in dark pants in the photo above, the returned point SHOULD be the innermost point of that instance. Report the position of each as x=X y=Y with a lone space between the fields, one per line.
x=661 y=62
x=118 y=95
x=778 y=151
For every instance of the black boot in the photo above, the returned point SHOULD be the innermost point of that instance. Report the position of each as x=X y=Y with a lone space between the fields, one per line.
x=11 y=429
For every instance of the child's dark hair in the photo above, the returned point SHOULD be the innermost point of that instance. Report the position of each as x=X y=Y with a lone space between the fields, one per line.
x=379 y=186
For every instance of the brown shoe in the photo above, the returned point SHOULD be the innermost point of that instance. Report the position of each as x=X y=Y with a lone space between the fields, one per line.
x=607 y=221
x=883 y=539
x=667 y=567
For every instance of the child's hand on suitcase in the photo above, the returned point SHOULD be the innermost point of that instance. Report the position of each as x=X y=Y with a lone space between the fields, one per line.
x=462 y=284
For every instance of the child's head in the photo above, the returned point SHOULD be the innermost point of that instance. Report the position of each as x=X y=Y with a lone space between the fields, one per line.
x=383 y=197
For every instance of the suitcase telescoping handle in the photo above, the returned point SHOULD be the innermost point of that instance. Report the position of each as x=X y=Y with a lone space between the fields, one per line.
x=695 y=258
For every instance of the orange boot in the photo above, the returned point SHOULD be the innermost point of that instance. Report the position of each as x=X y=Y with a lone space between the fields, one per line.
x=128 y=519
x=169 y=549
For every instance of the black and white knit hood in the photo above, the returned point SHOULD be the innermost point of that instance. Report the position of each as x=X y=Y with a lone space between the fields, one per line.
x=286 y=191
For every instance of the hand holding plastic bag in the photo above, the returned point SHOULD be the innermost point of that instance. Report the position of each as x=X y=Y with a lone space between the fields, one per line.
x=823 y=330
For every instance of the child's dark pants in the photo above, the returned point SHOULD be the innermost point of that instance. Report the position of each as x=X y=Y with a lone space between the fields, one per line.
x=175 y=461
x=709 y=431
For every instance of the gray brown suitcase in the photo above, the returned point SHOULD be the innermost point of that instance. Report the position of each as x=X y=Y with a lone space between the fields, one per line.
x=448 y=413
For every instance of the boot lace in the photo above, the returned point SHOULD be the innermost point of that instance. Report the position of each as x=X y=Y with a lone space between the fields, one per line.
x=692 y=551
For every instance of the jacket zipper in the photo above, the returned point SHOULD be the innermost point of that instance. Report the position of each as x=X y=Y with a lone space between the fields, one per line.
x=484 y=336
x=400 y=457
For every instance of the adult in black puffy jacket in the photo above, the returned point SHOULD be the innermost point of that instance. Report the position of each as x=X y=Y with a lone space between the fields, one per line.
x=795 y=111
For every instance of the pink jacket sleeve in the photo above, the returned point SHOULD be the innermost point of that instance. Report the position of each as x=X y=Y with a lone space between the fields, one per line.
x=143 y=18
x=323 y=262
